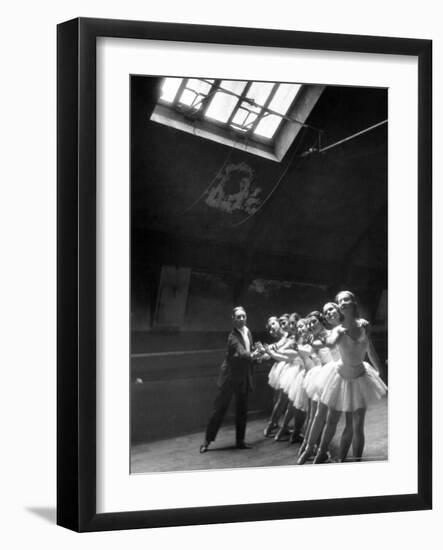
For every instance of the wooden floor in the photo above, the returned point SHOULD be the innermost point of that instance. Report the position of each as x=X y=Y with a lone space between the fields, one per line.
x=182 y=453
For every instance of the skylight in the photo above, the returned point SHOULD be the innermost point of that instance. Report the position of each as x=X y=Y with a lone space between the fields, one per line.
x=261 y=118
x=254 y=108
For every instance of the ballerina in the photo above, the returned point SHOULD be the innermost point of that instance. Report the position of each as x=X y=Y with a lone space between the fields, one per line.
x=315 y=382
x=323 y=356
x=275 y=330
x=351 y=385
x=294 y=363
x=298 y=401
x=284 y=321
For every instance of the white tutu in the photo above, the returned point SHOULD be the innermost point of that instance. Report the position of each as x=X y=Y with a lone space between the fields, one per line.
x=313 y=383
x=297 y=393
x=315 y=380
x=325 y=355
x=309 y=382
x=274 y=374
x=347 y=389
x=289 y=374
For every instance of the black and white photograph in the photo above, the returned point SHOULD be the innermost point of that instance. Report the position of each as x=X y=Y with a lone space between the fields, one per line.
x=259 y=274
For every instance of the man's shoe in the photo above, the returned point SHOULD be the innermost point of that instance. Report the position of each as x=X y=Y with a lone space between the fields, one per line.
x=243 y=445
x=204 y=447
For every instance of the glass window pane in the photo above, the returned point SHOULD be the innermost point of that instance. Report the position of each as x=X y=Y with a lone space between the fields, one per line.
x=169 y=89
x=268 y=126
x=222 y=104
x=239 y=117
x=195 y=90
x=250 y=119
x=247 y=112
x=199 y=86
x=259 y=92
x=248 y=107
x=243 y=117
x=234 y=86
x=221 y=107
x=283 y=97
x=188 y=97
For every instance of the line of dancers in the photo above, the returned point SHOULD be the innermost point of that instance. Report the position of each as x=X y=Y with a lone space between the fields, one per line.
x=319 y=371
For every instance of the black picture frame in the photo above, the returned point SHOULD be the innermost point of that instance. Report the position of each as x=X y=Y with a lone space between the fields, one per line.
x=76 y=265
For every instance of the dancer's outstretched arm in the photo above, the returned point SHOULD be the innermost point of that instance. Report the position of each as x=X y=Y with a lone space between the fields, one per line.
x=281 y=355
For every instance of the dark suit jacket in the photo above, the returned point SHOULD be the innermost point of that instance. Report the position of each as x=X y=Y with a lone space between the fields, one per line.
x=236 y=369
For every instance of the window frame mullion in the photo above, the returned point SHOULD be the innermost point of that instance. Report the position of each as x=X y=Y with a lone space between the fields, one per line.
x=207 y=100
x=240 y=99
x=264 y=108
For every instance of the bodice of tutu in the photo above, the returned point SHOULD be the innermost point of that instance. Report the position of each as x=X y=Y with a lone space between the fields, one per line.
x=278 y=369
x=306 y=352
x=353 y=351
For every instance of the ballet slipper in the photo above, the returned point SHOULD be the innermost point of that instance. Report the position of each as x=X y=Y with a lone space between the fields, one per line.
x=305 y=456
x=269 y=429
x=281 y=435
x=204 y=447
x=302 y=449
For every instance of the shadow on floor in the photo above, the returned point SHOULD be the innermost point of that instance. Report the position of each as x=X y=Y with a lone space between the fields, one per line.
x=48 y=514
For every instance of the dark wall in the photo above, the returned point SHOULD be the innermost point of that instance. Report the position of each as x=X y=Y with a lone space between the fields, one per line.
x=172 y=396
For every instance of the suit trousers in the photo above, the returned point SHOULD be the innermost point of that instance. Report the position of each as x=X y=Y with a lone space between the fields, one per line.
x=221 y=404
